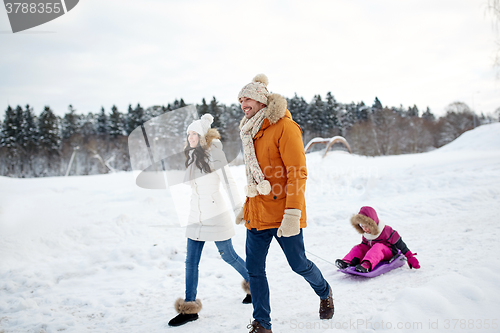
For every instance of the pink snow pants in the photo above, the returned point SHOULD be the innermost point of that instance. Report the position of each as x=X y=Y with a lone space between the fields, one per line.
x=374 y=254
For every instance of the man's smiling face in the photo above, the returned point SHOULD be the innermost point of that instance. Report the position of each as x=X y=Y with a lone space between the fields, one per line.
x=250 y=106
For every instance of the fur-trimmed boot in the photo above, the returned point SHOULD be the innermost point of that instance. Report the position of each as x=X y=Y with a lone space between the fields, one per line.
x=246 y=287
x=188 y=311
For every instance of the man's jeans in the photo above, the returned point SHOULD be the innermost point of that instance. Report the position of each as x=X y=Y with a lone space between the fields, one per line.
x=257 y=246
x=193 y=256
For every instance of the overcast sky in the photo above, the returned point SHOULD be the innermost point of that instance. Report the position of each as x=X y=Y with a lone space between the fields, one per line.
x=425 y=52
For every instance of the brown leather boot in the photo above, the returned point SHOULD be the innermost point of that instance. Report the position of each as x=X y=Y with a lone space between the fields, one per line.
x=257 y=328
x=326 y=307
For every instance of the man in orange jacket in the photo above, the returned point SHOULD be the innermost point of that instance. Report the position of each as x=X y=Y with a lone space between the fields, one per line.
x=275 y=206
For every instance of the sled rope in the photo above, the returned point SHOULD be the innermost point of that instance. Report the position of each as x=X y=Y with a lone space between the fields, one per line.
x=320 y=258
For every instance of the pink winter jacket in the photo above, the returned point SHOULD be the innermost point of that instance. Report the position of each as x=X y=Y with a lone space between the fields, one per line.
x=389 y=237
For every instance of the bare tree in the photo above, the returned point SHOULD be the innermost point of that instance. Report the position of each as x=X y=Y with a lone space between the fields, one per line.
x=459 y=118
x=494 y=9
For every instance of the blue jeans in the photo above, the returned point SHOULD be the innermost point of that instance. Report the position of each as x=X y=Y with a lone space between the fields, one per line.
x=257 y=246
x=193 y=256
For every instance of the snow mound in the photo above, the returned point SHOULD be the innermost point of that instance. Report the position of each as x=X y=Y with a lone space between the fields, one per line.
x=485 y=137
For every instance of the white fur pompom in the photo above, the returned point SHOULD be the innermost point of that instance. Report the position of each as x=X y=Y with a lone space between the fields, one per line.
x=264 y=187
x=208 y=118
x=261 y=78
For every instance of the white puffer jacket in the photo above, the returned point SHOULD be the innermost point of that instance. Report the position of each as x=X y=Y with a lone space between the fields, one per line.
x=209 y=217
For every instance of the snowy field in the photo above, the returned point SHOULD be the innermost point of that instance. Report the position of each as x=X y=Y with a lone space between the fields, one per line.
x=99 y=254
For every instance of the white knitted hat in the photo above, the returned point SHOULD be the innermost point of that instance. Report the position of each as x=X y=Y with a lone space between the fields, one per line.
x=256 y=89
x=201 y=126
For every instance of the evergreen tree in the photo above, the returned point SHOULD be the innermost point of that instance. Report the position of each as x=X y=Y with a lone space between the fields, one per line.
x=11 y=159
x=215 y=110
x=18 y=120
x=129 y=123
x=48 y=128
x=87 y=126
x=331 y=113
x=176 y=105
x=29 y=130
x=102 y=123
x=377 y=104
x=413 y=111
x=315 y=117
x=69 y=123
x=135 y=118
x=348 y=118
x=115 y=122
x=203 y=108
x=428 y=115
x=139 y=115
x=9 y=129
x=298 y=108
x=153 y=112
x=362 y=112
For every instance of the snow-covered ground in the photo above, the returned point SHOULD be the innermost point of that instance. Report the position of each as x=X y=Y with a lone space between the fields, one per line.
x=99 y=254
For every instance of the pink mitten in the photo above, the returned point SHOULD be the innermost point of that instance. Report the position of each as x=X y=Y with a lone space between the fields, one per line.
x=412 y=261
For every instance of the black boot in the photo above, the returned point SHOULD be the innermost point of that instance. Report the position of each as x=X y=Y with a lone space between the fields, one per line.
x=246 y=288
x=341 y=264
x=362 y=269
x=188 y=311
x=247 y=299
x=182 y=318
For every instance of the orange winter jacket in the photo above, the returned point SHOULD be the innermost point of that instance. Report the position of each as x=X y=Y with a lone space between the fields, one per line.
x=280 y=152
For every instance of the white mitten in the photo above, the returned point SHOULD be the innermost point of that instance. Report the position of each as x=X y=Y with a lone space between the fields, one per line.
x=238 y=212
x=290 y=226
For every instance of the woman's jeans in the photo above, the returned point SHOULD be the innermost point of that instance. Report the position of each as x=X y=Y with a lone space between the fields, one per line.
x=193 y=256
x=257 y=246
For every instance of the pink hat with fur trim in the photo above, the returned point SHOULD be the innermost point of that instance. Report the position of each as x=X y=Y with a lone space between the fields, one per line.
x=369 y=212
x=366 y=216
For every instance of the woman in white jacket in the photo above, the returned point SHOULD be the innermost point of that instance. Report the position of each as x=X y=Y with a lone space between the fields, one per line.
x=209 y=217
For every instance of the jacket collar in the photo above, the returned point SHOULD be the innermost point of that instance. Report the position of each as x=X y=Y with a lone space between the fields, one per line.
x=267 y=122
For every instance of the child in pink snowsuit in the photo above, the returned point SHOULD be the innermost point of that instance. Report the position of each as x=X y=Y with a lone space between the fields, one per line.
x=379 y=242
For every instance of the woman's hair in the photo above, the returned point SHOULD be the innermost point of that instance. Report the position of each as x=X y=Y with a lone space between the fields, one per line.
x=199 y=157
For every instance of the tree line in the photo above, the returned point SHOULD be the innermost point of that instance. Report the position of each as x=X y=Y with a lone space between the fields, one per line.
x=43 y=145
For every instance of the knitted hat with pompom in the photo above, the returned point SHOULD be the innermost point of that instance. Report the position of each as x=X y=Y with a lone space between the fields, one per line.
x=201 y=126
x=256 y=89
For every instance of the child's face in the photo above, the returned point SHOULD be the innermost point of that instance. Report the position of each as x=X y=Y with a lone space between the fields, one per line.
x=365 y=228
